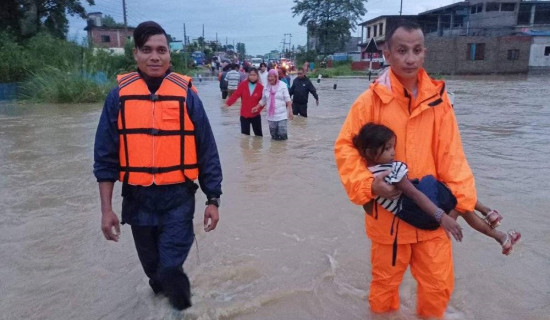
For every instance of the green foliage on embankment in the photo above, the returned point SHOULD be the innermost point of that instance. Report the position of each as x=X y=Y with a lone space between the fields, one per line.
x=49 y=69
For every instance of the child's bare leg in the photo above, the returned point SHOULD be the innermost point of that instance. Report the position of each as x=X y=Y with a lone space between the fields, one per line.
x=478 y=224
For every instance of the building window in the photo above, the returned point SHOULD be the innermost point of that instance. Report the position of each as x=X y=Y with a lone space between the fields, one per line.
x=105 y=38
x=513 y=54
x=476 y=8
x=381 y=28
x=507 y=7
x=374 y=29
x=368 y=32
x=547 y=51
x=492 y=6
x=476 y=51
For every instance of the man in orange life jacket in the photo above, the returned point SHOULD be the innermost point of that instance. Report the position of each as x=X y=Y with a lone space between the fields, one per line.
x=154 y=136
x=417 y=108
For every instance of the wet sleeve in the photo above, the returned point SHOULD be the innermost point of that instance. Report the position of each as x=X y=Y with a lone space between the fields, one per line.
x=263 y=100
x=106 y=145
x=399 y=171
x=452 y=166
x=285 y=94
x=291 y=90
x=312 y=89
x=210 y=170
x=354 y=174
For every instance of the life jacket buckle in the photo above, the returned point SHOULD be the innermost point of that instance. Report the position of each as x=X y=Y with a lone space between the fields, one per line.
x=154 y=97
x=154 y=170
x=154 y=131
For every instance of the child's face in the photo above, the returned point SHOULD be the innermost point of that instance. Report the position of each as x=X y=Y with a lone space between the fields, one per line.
x=387 y=153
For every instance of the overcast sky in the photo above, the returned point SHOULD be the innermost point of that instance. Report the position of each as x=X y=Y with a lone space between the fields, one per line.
x=260 y=24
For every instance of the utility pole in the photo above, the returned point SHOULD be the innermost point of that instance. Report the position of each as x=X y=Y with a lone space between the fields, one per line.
x=185 y=46
x=203 y=31
x=401 y=8
x=285 y=43
x=124 y=14
x=184 y=35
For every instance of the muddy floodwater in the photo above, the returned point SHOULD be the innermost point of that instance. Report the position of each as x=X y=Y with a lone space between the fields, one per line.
x=289 y=245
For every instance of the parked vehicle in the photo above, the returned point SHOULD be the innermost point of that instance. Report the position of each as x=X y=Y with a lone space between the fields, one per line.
x=199 y=58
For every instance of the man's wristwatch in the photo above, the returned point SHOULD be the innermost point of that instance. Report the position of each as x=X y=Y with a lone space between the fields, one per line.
x=214 y=201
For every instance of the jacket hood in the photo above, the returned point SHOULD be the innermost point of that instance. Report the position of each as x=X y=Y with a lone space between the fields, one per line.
x=430 y=91
x=388 y=87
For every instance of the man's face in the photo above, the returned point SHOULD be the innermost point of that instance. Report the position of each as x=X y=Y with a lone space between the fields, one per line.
x=153 y=58
x=406 y=53
x=301 y=74
x=263 y=68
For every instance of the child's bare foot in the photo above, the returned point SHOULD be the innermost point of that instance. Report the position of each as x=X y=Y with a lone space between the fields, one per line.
x=509 y=240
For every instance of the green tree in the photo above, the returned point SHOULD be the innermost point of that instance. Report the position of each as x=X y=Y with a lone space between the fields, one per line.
x=110 y=22
x=330 y=20
x=241 y=50
x=25 y=18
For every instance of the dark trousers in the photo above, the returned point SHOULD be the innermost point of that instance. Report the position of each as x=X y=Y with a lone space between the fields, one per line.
x=161 y=218
x=299 y=109
x=224 y=94
x=256 y=123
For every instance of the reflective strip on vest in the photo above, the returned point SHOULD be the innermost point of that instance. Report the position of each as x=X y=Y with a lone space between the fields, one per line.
x=157 y=137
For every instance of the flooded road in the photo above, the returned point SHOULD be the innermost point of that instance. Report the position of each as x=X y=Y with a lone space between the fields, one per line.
x=289 y=245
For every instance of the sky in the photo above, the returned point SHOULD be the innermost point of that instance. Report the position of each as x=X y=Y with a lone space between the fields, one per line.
x=260 y=24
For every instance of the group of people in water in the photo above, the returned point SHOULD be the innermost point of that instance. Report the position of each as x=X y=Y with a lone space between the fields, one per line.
x=272 y=90
x=399 y=156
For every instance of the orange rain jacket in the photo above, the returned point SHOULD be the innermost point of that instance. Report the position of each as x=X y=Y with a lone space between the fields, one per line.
x=157 y=137
x=428 y=141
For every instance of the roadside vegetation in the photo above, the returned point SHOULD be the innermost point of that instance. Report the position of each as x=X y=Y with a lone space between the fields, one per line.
x=49 y=69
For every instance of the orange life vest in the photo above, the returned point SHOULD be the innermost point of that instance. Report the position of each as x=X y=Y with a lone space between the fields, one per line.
x=157 y=137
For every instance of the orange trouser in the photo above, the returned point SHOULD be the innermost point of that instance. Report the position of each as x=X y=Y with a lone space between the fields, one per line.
x=431 y=265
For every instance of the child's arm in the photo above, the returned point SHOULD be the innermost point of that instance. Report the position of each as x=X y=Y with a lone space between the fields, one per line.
x=448 y=223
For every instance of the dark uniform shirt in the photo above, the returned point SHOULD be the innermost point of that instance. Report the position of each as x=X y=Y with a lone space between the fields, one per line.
x=300 y=90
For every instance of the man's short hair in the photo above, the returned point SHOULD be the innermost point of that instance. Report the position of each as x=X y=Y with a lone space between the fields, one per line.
x=145 y=30
x=300 y=69
x=263 y=65
x=408 y=25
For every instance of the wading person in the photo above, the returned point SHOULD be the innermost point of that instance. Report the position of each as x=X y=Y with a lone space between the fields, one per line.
x=418 y=110
x=250 y=93
x=299 y=91
x=233 y=78
x=154 y=136
x=277 y=99
x=263 y=73
x=223 y=83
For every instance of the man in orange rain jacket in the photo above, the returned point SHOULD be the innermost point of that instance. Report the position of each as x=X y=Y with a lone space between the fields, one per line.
x=418 y=110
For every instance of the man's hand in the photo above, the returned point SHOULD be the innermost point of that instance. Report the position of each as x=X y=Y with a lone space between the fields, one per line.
x=225 y=105
x=451 y=226
x=383 y=189
x=109 y=221
x=211 y=217
x=255 y=109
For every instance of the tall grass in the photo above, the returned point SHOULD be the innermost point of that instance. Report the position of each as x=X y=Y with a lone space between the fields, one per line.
x=56 y=86
x=340 y=69
x=54 y=70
